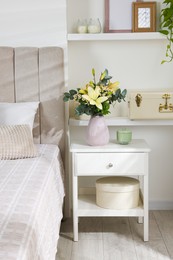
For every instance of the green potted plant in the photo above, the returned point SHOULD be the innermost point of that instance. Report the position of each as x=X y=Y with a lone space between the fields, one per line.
x=166 y=25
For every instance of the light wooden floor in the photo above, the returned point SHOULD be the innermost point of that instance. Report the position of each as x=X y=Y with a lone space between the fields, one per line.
x=118 y=239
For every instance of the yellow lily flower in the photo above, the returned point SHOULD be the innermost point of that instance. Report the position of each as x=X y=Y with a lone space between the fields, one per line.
x=93 y=97
x=113 y=86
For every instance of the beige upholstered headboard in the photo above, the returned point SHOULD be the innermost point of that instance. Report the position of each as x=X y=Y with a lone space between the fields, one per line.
x=36 y=74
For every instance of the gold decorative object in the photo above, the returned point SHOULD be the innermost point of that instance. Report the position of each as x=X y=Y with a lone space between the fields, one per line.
x=138 y=100
x=165 y=108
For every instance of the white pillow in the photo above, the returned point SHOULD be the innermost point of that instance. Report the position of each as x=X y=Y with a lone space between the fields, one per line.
x=22 y=113
x=16 y=142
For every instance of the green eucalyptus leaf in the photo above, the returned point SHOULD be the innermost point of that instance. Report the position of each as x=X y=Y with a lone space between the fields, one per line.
x=71 y=97
x=66 y=94
x=72 y=92
x=124 y=92
x=65 y=99
x=108 y=77
x=104 y=82
x=117 y=93
x=106 y=71
x=79 y=110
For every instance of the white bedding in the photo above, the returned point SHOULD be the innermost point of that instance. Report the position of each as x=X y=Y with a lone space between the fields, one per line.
x=31 y=198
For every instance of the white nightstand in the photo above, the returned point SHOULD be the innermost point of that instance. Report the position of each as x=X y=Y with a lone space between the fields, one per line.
x=109 y=160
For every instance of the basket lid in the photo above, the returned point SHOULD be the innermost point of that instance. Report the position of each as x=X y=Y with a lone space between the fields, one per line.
x=117 y=184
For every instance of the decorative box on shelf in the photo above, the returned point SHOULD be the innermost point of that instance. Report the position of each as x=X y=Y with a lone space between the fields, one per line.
x=117 y=192
x=151 y=105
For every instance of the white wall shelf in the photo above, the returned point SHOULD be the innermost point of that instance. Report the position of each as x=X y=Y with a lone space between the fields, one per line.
x=88 y=207
x=124 y=121
x=115 y=36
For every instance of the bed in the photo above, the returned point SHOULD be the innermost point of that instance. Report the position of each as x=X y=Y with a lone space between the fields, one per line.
x=32 y=149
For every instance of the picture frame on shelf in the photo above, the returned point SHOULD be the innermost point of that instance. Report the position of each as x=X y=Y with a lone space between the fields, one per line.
x=144 y=16
x=118 y=16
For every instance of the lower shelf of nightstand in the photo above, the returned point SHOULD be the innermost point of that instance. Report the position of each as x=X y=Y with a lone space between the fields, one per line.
x=87 y=207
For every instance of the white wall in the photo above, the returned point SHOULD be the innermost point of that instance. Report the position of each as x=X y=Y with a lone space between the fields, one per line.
x=33 y=23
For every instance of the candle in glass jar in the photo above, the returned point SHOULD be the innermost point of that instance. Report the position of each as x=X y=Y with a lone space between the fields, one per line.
x=124 y=136
x=82 y=26
x=93 y=29
x=82 y=29
x=94 y=26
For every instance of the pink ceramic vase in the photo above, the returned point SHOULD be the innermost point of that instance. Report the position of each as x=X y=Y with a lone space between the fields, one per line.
x=97 y=131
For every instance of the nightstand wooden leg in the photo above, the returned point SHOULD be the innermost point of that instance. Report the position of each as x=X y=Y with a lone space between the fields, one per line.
x=141 y=180
x=75 y=228
x=146 y=224
x=146 y=238
x=75 y=208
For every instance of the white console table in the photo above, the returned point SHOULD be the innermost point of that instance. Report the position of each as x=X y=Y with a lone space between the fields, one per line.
x=110 y=160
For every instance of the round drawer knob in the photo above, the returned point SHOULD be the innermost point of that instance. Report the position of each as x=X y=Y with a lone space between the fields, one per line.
x=110 y=165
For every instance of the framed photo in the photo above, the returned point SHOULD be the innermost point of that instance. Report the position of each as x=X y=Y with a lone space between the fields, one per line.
x=118 y=16
x=144 y=16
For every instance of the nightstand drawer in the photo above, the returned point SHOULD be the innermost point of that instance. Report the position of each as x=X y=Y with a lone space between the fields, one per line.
x=109 y=163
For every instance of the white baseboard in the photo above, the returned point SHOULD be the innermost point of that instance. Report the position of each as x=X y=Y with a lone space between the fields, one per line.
x=161 y=205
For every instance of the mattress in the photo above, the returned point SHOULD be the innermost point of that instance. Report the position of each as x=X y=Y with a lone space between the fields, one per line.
x=31 y=199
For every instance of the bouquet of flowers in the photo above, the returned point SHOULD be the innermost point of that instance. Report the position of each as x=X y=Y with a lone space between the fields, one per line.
x=96 y=97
